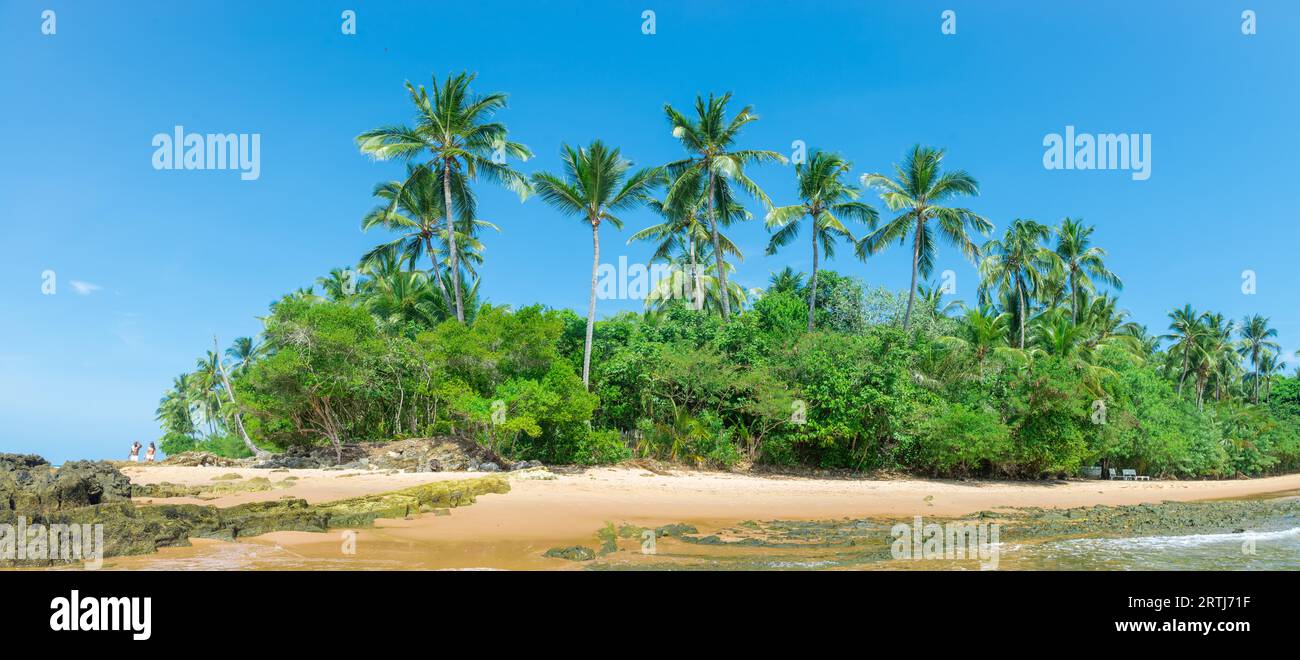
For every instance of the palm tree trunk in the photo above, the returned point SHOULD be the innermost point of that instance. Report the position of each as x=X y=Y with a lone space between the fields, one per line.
x=1074 y=293
x=1020 y=288
x=591 y=305
x=451 y=240
x=916 y=259
x=1183 y=378
x=437 y=276
x=697 y=293
x=812 y=284
x=723 y=292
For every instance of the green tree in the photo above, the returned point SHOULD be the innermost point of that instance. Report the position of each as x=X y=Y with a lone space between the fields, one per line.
x=709 y=139
x=1082 y=263
x=1257 y=339
x=1014 y=265
x=455 y=128
x=917 y=192
x=595 y=185
x=825 y=199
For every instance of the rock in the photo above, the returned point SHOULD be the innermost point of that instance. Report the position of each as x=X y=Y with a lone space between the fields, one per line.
x=31 y=487
x=489 y=467
x=572 y=553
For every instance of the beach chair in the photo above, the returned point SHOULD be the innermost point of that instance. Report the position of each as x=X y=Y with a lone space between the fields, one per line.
x=1130 y=475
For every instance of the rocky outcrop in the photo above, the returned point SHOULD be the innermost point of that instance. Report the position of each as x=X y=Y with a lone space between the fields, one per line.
x=88 y=493
x=29 y=484
x=445 y=454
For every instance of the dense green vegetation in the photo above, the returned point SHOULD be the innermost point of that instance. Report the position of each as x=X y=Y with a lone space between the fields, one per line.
x=1043 y=374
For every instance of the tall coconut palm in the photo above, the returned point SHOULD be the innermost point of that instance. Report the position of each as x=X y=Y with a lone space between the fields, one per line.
x=713 y=163
x=917 y=192
x=1257 y=338
x=595 y=184
x=1083 y=263
x=1213 y=352
x=1185 y=330
x=1015 y=263
x=825 y=199
x=456 y=129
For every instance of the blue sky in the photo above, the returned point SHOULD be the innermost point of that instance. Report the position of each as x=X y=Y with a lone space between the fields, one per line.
x=170 y=258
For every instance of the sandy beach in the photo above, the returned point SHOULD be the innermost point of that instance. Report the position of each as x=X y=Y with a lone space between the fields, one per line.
x=513 y=530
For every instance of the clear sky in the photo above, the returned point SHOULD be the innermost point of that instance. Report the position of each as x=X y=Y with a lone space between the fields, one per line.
x=151 y=264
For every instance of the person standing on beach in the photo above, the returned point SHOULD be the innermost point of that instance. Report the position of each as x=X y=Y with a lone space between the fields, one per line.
x=135 y=453
x=148 y=455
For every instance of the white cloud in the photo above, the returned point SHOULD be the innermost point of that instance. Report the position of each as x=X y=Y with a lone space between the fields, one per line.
x=84 y=288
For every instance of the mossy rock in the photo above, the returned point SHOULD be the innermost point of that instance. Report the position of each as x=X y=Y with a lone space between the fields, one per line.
x=572 y=553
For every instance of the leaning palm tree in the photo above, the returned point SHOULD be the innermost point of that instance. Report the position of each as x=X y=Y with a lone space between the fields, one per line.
x=917 y=191
x=1015 y=263
x=1256 y=340
x=712 y=163
x=455 y=128
x=1082 y=263
x=825 y=198
x=594 y=186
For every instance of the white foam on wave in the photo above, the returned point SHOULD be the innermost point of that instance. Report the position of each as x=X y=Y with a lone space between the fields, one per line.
x=1187 y=541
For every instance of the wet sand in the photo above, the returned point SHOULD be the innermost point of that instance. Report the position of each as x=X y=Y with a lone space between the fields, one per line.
x=514 y=529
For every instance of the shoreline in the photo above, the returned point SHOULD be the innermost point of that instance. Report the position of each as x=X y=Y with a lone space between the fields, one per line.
x=514 y=530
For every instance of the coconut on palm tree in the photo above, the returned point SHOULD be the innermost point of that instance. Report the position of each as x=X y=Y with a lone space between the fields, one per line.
x=712 y=163
x=594 y=186
x=825 y=199
x=918 y=192
x=455 y=127
x=1015 y=264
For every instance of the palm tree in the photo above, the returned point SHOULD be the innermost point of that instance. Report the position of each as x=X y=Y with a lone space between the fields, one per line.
x=1015 y=264
x=1082 y=263
x=931 y=296
x=205 y=383
x=982 y=332
x=455 y=127
x=244 y=351
x=917 y=192
x=415 y=208
x=1256 y=340
x=1185 y=331
x=1214 y=352
x=595 y=184
x=340 y=285
x=666 y=290
x=787 y=280
x=825 y=199
x=174 y=407
x=711 y=164
x=683 y=230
